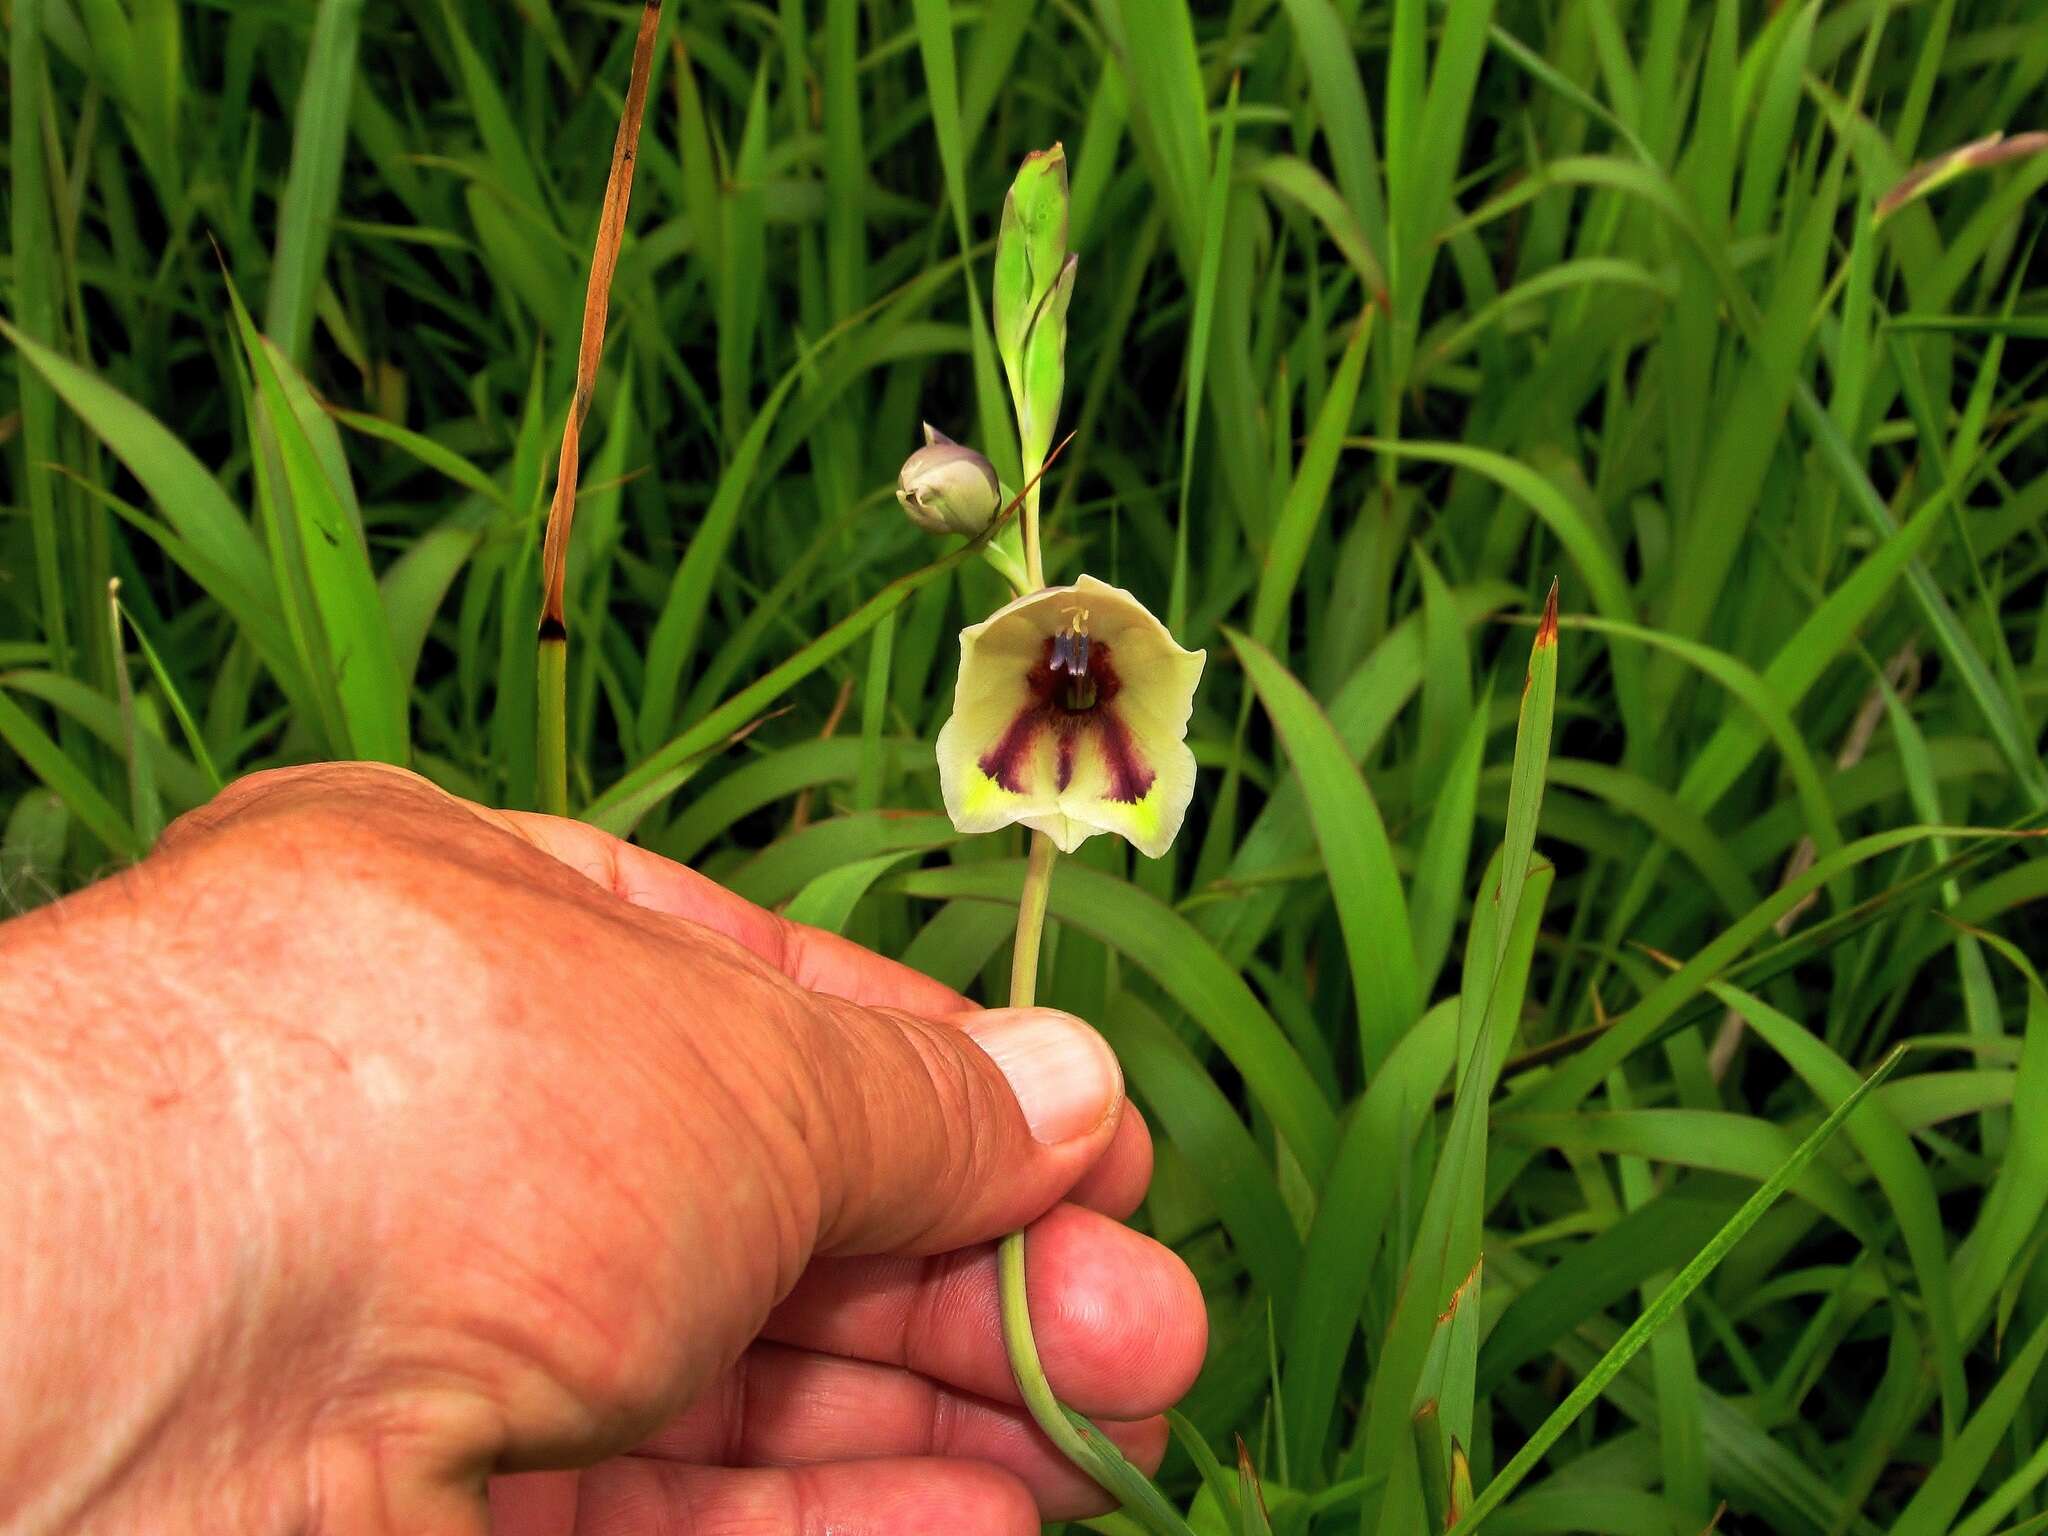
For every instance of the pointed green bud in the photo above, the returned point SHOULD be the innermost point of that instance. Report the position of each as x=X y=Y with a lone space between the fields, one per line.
x=1031 y=247
x=1033 y=280
x=1043 y=368
x=946 y=487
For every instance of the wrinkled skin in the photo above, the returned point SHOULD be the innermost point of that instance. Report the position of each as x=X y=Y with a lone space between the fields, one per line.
x=403 y=1166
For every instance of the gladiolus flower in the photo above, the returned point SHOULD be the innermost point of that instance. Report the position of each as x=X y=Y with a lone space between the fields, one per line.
x=946 y=487
x=1071 y=716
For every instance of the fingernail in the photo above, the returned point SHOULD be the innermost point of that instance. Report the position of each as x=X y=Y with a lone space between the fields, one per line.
x=1064 y=1074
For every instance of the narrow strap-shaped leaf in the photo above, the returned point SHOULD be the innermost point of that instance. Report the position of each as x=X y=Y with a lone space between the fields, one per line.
x=312 y=189
x=1214 y=212
x=1308 y=495
x=46 y=760
x=1372 y=909
x=1525 y=783
x=1668 y=1301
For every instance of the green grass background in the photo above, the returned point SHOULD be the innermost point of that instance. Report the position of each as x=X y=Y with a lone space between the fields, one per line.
x=1387 y=312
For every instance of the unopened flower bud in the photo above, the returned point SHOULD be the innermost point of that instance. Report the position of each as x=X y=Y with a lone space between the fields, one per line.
x=946 y=487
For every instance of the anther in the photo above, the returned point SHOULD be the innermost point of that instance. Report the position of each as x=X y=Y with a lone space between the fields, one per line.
x=1070 y=655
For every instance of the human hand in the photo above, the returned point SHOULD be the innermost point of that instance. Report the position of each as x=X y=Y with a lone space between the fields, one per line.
x=493 y=1144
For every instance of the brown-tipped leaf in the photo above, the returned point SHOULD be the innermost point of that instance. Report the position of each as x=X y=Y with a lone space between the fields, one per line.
x=604 y=261
x=1977 y=155
x=1253 y=1520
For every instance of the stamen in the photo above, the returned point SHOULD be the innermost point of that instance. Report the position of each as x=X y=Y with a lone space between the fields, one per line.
x=1070 y=655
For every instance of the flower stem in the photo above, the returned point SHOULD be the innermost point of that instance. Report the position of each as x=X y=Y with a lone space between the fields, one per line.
x=1034 y=563
x=1077 y=1440
x=1016 y=1306
x=1031 y=922
x=1016 y=1303
x=1024 y=1362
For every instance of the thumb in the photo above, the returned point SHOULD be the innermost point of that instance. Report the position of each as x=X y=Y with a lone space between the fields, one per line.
x=933 y=1136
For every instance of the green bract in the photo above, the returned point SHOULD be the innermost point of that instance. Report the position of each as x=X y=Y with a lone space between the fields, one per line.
x=1034 y=280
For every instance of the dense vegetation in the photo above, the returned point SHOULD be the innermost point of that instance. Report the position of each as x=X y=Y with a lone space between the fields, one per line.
x=1387 y=312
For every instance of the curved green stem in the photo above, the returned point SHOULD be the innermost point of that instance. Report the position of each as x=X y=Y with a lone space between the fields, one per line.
x=1018 y=1340
x=1024 y=1362
x=1078 y=1440
x=1016 y=1305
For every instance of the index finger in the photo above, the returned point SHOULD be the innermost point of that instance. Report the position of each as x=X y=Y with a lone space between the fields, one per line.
x=812 y=958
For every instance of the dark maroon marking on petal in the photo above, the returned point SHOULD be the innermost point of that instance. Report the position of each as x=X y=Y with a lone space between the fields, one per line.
x=1129 y=779
x=1042 y=681
x=1107 y=684
x=1050 y=684
x=1004 y=761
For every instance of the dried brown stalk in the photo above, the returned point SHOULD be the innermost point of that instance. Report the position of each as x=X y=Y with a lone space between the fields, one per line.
x=604 y=261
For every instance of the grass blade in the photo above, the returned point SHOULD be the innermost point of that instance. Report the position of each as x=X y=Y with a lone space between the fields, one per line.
x=312 y=191
x=335 y=562
x=47 y=761
x=1371 y=906
x=1532 y=755
x=1669 y=1300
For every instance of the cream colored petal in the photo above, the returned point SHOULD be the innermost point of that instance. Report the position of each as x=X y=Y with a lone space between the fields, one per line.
x=1016 y=628
x=1158 y=699
x=1130 y=629
x=1152 y=715
x=990 y=695
x=974 y=800
x=1066 y=833
x=1154 y=705
x=1150 y=823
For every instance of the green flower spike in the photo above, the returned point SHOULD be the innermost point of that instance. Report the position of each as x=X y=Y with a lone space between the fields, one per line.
x=1034 y=281
x=1070 y=716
